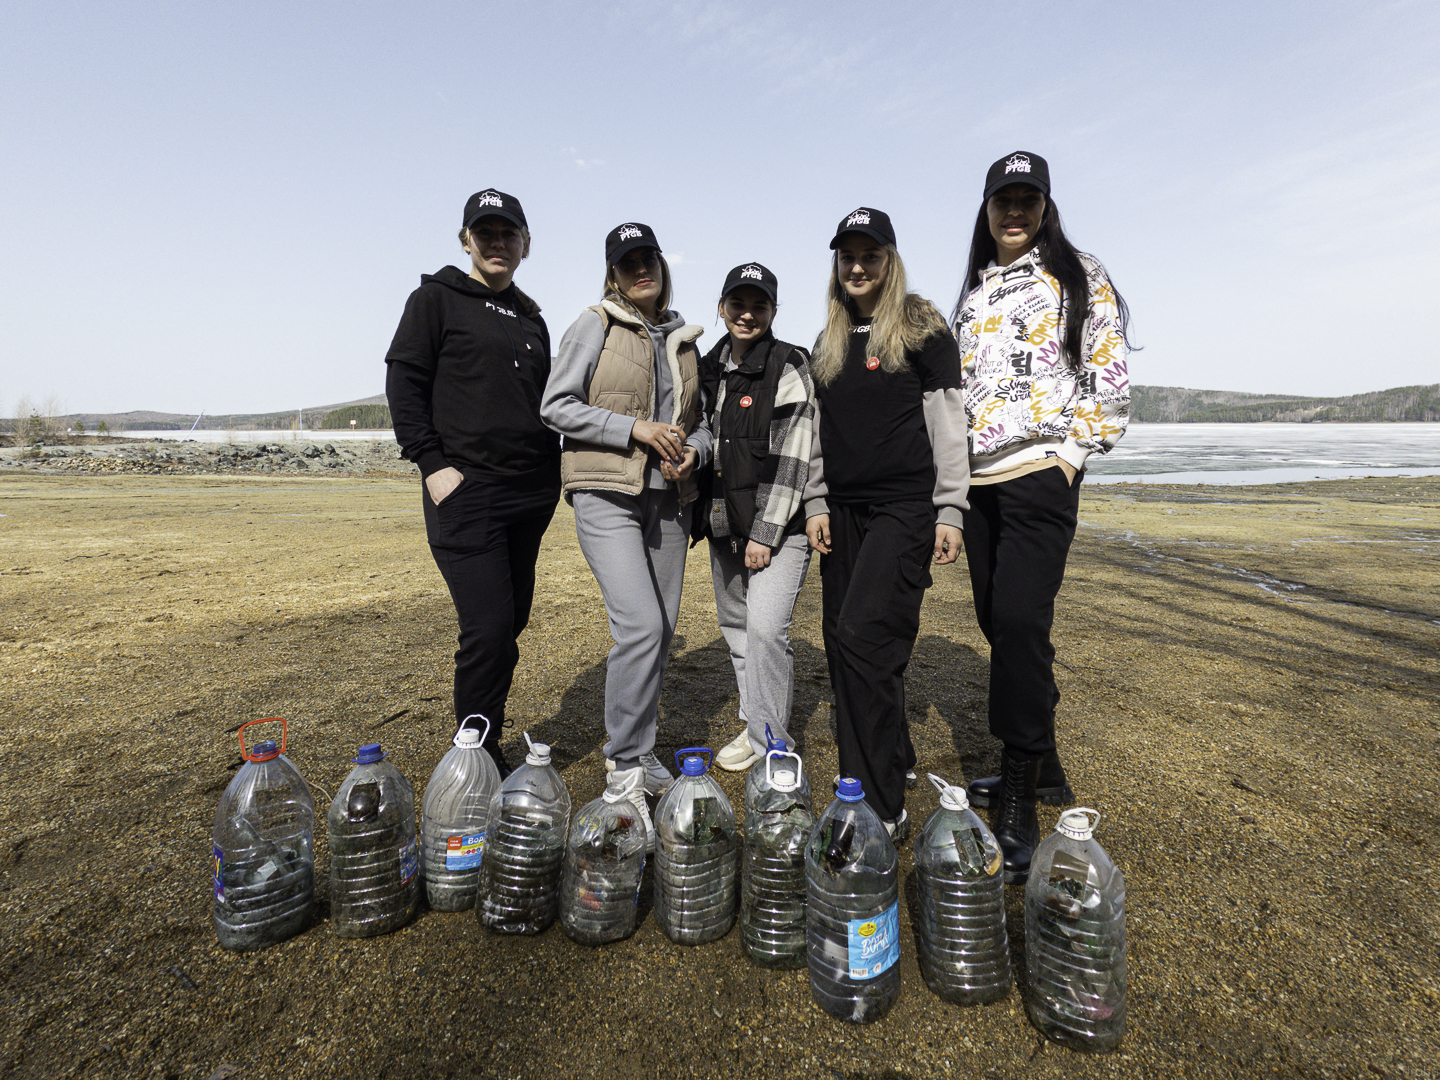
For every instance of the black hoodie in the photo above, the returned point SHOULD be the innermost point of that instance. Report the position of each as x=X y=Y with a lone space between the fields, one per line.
x=465 y=373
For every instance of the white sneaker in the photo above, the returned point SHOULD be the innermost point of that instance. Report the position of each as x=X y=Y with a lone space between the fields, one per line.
x=631 y=782
x=657 y=777
x=737 y=755
x=899 y=829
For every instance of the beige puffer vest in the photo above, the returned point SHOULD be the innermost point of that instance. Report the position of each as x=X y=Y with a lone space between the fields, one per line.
x=624 y=383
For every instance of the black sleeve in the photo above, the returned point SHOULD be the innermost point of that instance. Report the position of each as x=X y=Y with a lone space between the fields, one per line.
x=938 y=362
x=410 y=379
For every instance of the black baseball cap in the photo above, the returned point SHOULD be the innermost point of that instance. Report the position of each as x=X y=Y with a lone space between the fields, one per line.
x=623 y=239
x=492 y=203
x=1021 y=167
x=865 y=219
x=751 y=274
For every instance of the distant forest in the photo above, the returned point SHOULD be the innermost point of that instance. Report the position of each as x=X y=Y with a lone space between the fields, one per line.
x=1175 y=405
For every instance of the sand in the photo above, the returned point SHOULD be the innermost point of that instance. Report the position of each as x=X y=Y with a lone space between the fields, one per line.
x=1250 y=682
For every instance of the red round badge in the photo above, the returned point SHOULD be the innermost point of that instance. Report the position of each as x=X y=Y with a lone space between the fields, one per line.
x=746 y=401
x=873 y=363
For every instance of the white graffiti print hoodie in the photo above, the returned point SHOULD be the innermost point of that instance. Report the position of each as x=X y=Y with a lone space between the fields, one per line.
x=1023 y=401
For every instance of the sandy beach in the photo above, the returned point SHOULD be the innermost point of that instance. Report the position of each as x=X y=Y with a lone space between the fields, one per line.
x=1250 y=680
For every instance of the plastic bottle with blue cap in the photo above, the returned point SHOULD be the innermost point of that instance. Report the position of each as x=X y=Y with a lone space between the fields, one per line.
x=374 y=853
x=529 y=819
x=964 y=950
x=772 y=883
x=697 y=854
x=852 y=909
x=264 y=848
x=605 y=863
x=1075 y=964
x=455 y=817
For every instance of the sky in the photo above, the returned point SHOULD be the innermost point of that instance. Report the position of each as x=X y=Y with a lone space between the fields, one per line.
x=222 y=207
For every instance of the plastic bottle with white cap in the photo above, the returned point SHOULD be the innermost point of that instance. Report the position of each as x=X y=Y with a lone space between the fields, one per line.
x=525 y=851
x=697 y=854
x=1075 y=970
x=852 y=909
x=964 y=951
x=264 y=848
x=755 y=778
x=374 y=856
x=604 y=864
x=456 y=818
x=772 y=886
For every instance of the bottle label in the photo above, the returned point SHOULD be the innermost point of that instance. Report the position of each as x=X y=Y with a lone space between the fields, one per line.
x=875 y=943
x=219 y=872
x=465 y=852
x=409 y=861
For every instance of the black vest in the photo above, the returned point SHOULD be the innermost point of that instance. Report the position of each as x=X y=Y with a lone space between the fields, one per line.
x=744 y=425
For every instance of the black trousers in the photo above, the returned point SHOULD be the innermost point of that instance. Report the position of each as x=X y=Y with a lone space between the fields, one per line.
x=872 y=585
x=485 y=542
x=1017 y=536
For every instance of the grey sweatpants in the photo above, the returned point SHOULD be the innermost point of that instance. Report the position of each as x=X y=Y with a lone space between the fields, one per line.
x=755 y=608
x=635 y=545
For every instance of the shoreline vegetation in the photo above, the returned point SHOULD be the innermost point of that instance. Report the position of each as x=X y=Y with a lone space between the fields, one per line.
x=1149 y=405
x=1249 y=687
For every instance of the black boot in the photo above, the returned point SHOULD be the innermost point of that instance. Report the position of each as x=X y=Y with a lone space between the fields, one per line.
x=498 y=755
x=1052 y=789
x=1016 y=827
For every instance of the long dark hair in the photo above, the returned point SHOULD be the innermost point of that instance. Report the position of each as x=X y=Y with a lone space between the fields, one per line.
x=1061 y=259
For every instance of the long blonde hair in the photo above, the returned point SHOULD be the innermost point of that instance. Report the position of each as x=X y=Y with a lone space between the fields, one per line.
x=662 y=302
x=902 y=321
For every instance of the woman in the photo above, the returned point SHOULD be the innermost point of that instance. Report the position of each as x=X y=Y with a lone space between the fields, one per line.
x=465 y=372
x=888 y=474
x=1042 y=336
x=763 y=404
x=625 y=394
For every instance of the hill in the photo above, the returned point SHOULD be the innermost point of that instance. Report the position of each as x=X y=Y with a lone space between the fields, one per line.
x=1173 y=404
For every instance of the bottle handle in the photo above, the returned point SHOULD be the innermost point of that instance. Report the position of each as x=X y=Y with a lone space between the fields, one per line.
x=770 y=765
x=472 y=716
x=694 y=750
x=244 y=750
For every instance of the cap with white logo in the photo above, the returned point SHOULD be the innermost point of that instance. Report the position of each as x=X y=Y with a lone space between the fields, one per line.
x=869 y=221
x=492 y=203
x=1021 y=167
x=751 y=274
x=623 y=239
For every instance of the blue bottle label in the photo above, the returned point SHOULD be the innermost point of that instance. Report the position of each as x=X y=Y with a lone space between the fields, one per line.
x=465 y=852
x=409 y=861
x=219 y=872
x=875 y=943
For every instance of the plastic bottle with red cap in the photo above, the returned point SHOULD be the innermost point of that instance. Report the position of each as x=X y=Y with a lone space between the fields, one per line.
x=374 y=856
x=264 y=848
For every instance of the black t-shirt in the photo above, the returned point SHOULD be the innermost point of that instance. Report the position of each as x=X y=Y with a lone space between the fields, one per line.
x=466 y=371
x=873 y=437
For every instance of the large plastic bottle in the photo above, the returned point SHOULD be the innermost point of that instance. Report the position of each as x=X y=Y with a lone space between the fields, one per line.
x=772 y=890
x=852 y=909
x=374 y=856
x=604 y=864
x=755 y=778
x=1075 y=937
x=964 y=951
x=520 y=877
x=454 y=820
x=264 y=848
x=697 y=854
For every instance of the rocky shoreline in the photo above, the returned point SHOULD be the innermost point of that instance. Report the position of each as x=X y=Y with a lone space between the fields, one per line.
x=164 y=457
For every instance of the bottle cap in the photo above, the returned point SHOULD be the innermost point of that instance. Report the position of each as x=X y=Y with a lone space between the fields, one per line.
x=951 y=797
x=369 y=754
x=264 y=751
x=849 y=789
x=694 y=765
x=1079 y=823
x=786 y=778
x=538 y=754
x=467 y=738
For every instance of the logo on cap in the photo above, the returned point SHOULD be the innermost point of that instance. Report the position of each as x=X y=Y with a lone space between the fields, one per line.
x=1018 y=163
x=632 y=232
x=873 y=363
x=746 y=401
x=862 y=217
x=490 y=198
x=752 y=271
